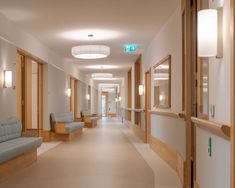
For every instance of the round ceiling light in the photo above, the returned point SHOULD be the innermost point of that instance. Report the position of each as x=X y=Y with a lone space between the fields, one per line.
x=101 y=76
x=91 y=51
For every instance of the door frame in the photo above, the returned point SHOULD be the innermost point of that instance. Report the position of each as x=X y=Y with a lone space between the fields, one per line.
x=73 y=97
x=24 y=110
x=147 y=108
x=232 y=175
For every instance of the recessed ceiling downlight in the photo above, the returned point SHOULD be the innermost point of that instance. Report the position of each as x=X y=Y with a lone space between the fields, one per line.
x=91 y=51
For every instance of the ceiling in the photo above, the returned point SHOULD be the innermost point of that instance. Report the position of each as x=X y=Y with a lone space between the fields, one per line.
x=63 y=24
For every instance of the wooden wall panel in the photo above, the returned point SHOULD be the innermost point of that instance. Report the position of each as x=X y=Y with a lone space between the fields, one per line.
x=28 y=93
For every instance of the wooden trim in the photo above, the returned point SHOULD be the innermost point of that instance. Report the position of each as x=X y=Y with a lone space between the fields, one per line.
x=11 y=167
x=27 y=54
x=232 y=174
x=65 y=137
x=147 y=105
x=170 y=156
x=167 y=58
x=133 y=109
x=168 y=114
x=19 y=61
x=162 y=60
x=60 y=128
x=28 y=93
x=213 y=127
x=129 y=93
x=46 y=135
x=196 y=185
x=40 y=96
x=140 y=133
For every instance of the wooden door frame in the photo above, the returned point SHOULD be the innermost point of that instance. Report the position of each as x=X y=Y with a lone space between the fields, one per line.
x=189 y=53
x=147 y=113
x=129 y=93
x=24 y=68
x=106 y=101
x=232 y=175
x=73 y=97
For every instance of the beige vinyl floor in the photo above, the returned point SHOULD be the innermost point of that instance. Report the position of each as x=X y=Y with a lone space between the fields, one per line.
x=102 y=157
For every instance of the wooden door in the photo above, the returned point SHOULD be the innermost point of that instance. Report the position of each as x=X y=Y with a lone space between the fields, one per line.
x=147 y=106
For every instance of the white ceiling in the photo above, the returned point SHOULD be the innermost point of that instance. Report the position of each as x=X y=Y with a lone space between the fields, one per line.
x=113 y=23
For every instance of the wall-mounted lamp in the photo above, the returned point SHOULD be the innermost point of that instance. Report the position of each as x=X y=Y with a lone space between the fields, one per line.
x=88 y=97
x=141 y=89
x=119 y=98
x=7 y=79
x=210 y=33
x=116 y=99
x=69 y=92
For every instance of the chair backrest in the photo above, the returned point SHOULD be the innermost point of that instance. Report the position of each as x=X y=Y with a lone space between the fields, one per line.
x=10 y=129
x=66 y=117
x=86 y=113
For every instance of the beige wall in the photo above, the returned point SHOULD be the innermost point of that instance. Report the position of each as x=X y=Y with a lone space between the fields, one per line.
x=7 y=95
x=215 y=171
x=168 y=41
x=56 y=101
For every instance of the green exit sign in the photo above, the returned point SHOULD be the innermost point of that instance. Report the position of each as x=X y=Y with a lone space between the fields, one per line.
x=131 y=48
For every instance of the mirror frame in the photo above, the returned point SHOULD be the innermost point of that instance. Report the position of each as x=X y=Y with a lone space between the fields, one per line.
x=164 y=60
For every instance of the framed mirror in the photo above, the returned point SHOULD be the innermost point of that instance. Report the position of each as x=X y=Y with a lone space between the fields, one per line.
x=162 y=83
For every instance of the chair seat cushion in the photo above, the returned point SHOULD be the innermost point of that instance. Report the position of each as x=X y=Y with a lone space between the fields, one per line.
x=15 y=147
x=70 y=127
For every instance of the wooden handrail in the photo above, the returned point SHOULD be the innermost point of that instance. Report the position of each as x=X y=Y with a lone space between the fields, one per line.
x=213 y=127
x=134 y=109
x=168 y=114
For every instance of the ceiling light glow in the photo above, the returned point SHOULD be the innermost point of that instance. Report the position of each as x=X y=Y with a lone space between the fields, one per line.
x=91 y=51
x=98 y=35
x=101 y=66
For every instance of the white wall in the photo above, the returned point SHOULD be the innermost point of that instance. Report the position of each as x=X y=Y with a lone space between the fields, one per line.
x=7 y=95
x=55 y=93
x=215 y=171
x=168 y=41
x=112 y=102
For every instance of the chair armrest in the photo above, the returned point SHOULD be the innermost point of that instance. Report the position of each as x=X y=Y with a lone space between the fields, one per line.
x=60 y=128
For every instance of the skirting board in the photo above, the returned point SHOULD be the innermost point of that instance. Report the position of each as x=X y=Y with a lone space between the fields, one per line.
x=11 y=167
x=169 y=155
x=137 y=130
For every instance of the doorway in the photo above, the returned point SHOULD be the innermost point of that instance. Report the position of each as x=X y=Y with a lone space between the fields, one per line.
x=147 y=106
x=104 y=104
x=30 y=95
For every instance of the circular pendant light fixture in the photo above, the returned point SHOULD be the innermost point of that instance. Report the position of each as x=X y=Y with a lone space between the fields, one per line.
x=90 y=51
x=101 y=76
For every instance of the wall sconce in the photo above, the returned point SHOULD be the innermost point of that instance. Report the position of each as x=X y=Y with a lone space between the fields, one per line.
x=69 y=92
x=88 y=97
x=210 y=33
x=141 y=89
x=116 y=99
x=7 y=79
x=119 y=98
